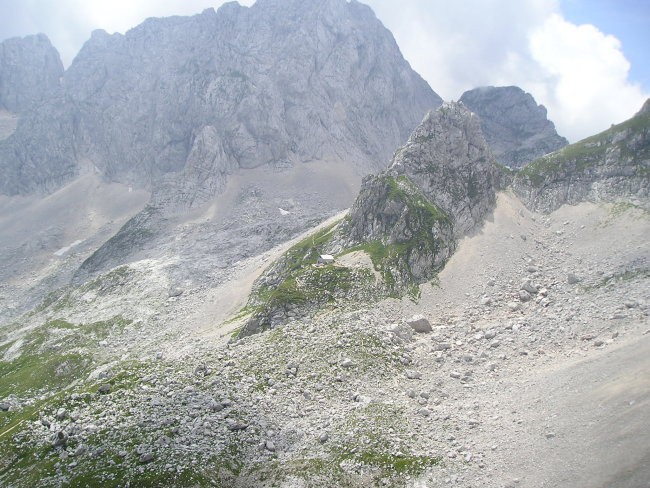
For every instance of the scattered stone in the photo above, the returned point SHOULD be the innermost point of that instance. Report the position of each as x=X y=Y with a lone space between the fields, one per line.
x=486 y=301
x=61 y=414
x=455 y=375
x=175 y=292
x=599 y=343
x=4 y=407
x=80 y=450
x=413 y=375
x=347 y=363
x=270 y=446
x=524 y=296
x=323 y=438
x=419 y=324
x=105 y=389
x=514 y=306
x=60 y=439
x=572 y=279
x=235 y=426
x=146 y=458
x=529 y=287
x=550 y=435
x=424 y=412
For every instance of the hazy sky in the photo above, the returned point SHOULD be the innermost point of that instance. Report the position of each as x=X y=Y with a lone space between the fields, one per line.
x=585 y=60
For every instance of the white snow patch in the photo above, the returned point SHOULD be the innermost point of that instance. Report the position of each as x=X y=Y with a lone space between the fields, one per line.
x=64 y=250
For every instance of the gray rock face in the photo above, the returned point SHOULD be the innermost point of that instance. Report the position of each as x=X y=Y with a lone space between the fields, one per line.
x=612 y=165
x=177 y=104
x=448 y=158
x=30 y=72
x=416 y=235
x=515 y=127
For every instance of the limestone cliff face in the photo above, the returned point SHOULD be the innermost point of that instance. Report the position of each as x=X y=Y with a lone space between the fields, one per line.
x=189 y=100
x=609 y=166
x=30 y=72
x=448 y=159
x=516 y=128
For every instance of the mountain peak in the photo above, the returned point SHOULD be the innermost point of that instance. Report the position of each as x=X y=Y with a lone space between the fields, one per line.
x=281 y=82
x=515 y=126
x=30 y=72
x=646 y=108
x=448 y=158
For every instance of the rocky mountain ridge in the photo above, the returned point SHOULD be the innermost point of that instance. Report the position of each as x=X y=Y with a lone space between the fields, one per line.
x=30 y=72
x=610 y=166
x=515 y=126
x=177 y=104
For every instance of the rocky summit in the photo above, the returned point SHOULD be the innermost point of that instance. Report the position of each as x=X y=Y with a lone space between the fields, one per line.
x=30 y=72
x=515 y=127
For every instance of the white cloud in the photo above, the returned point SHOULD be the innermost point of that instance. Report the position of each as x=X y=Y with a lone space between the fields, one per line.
x=586 y=77
x=577 y=72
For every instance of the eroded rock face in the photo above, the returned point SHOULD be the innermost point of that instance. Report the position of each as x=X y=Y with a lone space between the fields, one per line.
x=609 y=166
x=516 y=128
x=30 y=72
x=448 y=158
x=282 y=82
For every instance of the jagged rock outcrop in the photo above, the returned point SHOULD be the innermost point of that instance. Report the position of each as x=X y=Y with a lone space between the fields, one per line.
x=440 y=186
x=516 y=128
x=30 y=72
x=448 y=159
x=281 y=82
x=609 y=166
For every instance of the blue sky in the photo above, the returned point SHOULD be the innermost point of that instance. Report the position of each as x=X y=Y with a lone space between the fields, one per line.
x=586 y=61
x=628 y=20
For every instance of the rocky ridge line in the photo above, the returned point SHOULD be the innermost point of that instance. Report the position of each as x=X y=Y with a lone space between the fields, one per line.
x=610 y=166
x=177 y=104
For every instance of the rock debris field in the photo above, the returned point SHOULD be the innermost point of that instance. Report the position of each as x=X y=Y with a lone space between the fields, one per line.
x=525 y=364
